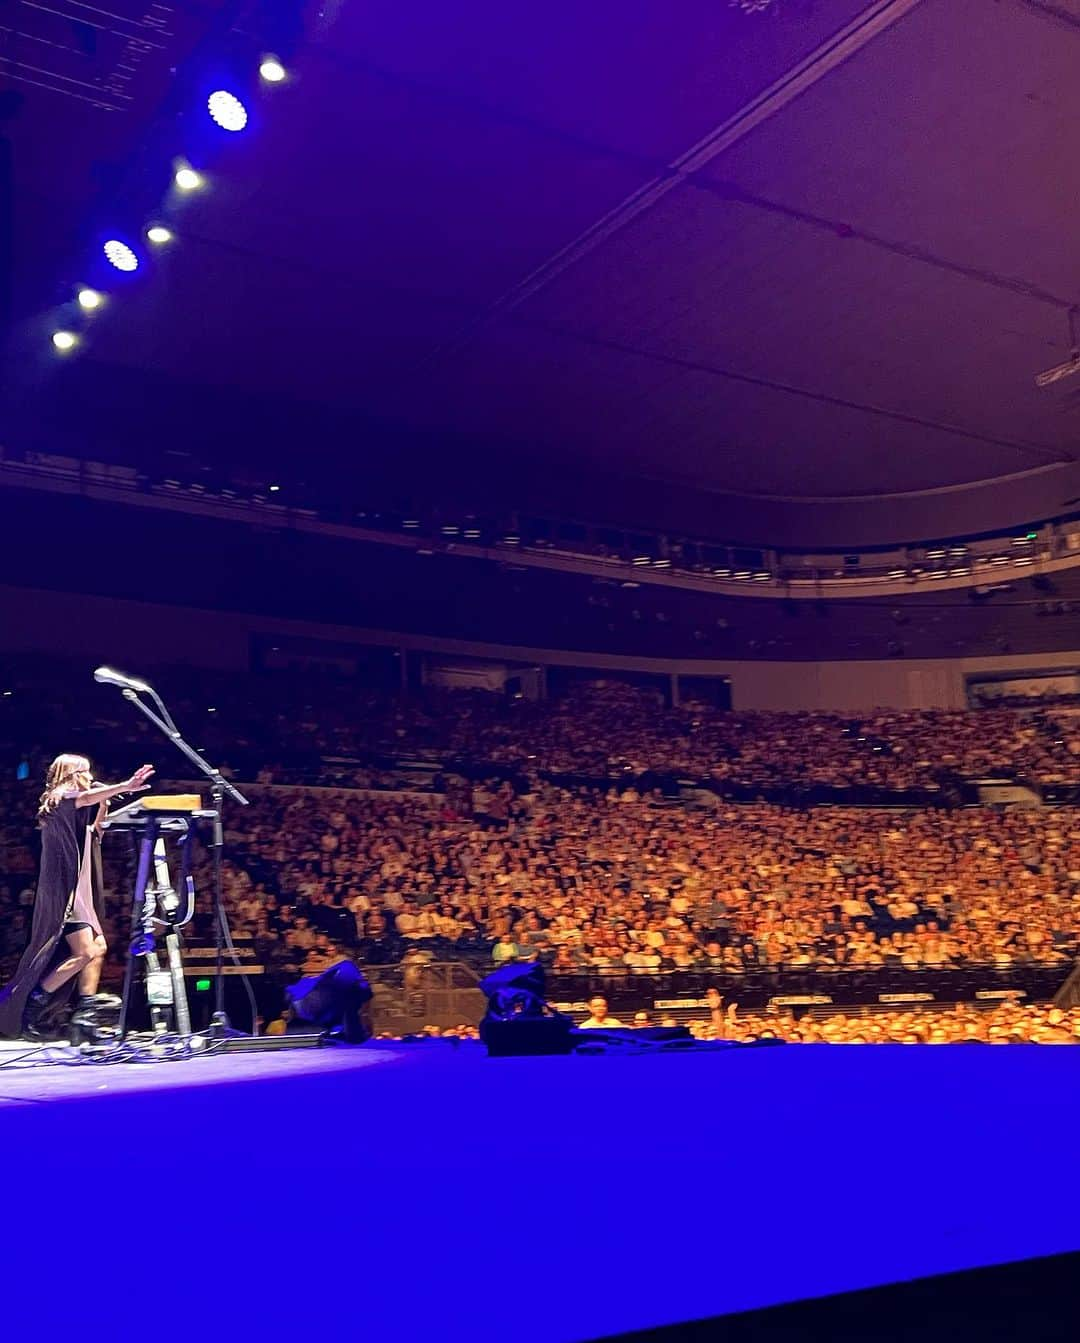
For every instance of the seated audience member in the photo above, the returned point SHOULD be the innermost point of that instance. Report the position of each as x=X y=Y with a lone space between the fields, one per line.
x=505 y=950
x=598 y=1019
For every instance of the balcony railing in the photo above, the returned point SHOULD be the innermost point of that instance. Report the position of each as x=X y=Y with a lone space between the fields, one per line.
x=984 y=562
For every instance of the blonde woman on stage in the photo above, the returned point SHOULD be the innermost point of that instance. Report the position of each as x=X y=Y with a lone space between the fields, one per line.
x=66 y=939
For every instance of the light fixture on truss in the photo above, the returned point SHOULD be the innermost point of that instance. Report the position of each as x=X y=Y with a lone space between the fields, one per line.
x=1071 y=365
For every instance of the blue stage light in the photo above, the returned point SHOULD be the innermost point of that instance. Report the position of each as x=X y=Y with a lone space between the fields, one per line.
x=227 y=110
x=120 y=255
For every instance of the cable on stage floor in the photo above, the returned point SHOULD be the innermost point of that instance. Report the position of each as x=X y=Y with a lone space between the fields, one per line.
x=165 y=1048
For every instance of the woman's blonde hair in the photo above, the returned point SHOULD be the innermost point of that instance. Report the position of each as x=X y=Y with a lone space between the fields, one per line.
x=59 y=776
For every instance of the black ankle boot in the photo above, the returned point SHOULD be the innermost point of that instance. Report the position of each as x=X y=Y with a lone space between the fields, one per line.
x=88 y=1009
x=33 y=1026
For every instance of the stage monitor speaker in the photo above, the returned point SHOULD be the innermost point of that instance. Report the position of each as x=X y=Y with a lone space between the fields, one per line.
x=518 y=1020
x=337 y=1001
x=527 y=1035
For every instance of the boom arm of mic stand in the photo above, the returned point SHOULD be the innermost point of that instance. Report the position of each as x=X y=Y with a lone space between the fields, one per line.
x=165 y=714
x=215 y=776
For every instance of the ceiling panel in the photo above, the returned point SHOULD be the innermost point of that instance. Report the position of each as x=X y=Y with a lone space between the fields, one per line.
x=851 y=300
x=722 y=286
x=587 y=402
x=636 y=77
x=954 y=132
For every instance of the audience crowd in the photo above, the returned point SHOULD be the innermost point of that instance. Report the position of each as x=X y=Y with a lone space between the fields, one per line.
x=594 y=880
x=313 y=728
x=963 y=1023
x=1007 y=1023
x=590 y=880
x=615 y=730
x=520 y=861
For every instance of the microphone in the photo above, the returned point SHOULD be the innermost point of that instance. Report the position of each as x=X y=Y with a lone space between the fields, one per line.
x=107 y=676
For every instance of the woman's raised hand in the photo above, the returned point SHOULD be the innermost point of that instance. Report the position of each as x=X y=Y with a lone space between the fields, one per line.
x=138 y=781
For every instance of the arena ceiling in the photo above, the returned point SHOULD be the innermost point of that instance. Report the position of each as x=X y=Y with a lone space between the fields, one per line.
x=783 y=276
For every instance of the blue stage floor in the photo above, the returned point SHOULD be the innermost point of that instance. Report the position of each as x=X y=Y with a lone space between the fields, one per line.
x=428 y=1192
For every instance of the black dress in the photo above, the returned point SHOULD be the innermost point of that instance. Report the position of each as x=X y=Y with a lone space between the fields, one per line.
x=69 y=849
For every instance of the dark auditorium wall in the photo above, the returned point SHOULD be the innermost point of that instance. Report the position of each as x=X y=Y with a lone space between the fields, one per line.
x=145 y=553
x=141 y=635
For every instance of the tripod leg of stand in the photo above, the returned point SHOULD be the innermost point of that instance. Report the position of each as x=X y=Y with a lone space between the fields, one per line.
x=157 y=1000
x=146 y=850
x=219 y=1022
x=129 y=970
x=176 y=969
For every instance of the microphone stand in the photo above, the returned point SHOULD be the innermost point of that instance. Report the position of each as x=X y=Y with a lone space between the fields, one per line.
x=219 y=788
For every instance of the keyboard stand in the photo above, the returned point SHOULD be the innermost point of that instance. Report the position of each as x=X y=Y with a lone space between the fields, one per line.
x=156 y=902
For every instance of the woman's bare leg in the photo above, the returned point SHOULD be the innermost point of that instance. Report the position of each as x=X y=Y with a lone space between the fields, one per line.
x=83 y=953
x=90 y=975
